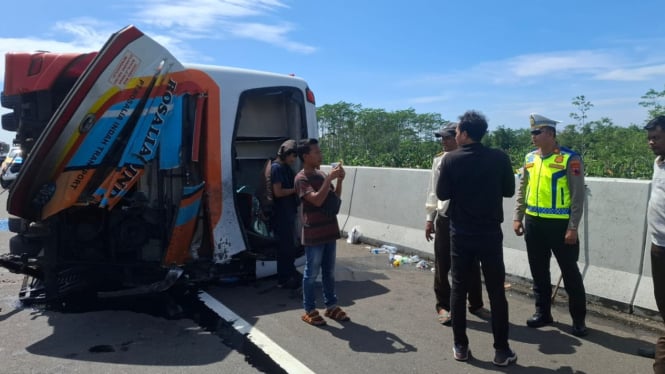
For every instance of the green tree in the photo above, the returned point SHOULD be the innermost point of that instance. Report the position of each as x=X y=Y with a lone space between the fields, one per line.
x=583 y=106
x=652 y=101
x=405 y=139
x=375 y=137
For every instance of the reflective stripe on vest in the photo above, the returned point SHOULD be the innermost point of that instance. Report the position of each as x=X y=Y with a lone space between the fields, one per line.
x=547 y=193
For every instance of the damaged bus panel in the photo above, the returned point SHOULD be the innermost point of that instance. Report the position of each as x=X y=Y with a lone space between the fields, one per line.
x=139 y=172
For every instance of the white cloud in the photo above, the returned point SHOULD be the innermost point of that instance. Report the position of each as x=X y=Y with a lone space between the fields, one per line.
x=535 y=65
x=273 y=34
x=428 y=99
x=530 y=69
x=86 y=32
x=198 y=14
x=201 y=19
x=634 y=74
x=85 y=39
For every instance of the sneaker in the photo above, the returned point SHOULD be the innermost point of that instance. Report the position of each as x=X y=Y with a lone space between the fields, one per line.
x=481 y=313
x=461 y=352
x=504 y=357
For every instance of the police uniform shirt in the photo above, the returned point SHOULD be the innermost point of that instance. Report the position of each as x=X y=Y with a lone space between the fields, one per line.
x=575 y=176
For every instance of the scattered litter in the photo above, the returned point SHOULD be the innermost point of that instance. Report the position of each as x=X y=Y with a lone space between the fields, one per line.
x=390 y=248
x=396 y=260
x=507 y=286
x=384 y=249
x=376 y=251
x=354 y=235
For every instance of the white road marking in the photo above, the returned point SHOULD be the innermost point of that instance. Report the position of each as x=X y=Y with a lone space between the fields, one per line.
x=267 y=345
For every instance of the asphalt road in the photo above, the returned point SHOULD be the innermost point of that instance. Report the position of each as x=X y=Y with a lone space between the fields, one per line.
x=392 y=330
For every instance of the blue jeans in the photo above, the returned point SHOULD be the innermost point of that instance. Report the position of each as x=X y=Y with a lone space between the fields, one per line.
x=319 y=258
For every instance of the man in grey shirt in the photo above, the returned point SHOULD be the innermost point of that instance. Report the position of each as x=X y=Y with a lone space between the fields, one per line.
x=551 y=194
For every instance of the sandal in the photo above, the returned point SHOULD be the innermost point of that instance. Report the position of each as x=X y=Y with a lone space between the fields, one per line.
x=337 y=314
x=444 y=317
x=313 y=318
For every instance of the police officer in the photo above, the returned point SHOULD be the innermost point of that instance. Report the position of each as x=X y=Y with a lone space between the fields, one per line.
x=551 y=194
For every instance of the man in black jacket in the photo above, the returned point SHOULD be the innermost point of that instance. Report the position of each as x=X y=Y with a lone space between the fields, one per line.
x=476 y=179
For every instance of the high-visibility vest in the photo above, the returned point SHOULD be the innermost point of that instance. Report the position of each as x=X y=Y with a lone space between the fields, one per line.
x=547 y=194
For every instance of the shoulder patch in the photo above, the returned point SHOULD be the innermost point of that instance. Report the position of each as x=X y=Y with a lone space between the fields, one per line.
x=528 y=165
x=576 y=167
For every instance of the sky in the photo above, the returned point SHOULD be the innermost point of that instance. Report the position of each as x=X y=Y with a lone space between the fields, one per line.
x=506 y=59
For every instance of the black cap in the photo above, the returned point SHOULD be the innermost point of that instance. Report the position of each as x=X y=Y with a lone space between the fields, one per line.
x=288 y=146
x=446 y=131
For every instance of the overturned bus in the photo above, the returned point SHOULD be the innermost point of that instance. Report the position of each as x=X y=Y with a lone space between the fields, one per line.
x=139 y=172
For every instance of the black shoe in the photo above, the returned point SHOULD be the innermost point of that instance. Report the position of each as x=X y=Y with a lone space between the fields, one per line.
x=539 y=320
x=481 y=313
x=579 y=329
x=461 y=352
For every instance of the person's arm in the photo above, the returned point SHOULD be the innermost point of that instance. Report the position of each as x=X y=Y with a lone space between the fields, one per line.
x=317 y=198
x=443 y=185
x=340 y=178
x=520 y=204
x=278 y=176
x=431 y=201
x=278 y=191
x=508 y=177
x=575 y=176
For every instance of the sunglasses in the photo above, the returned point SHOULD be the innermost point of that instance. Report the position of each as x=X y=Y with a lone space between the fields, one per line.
x=536 y=132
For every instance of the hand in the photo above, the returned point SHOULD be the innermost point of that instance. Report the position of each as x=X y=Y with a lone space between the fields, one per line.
x=518 y=228
x=343 y=172
x=429 y=230
x=571 y=237
x=336 y=172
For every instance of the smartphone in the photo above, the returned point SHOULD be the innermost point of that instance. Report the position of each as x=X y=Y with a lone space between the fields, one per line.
x=336 y=164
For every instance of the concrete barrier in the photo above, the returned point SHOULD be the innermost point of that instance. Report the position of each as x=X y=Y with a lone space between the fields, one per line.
x=387 y=206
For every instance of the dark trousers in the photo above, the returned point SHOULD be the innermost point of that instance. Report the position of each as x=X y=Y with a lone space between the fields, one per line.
x=467 y=250
x=283 y=227
x=658 y=275
x=442 y=268
x=543 y=237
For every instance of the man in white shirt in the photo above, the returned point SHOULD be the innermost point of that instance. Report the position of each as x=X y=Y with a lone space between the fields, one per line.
x=656 y=219
x=439 y=224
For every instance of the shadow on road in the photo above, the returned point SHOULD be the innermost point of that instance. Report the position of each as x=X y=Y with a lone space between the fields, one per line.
x=364 y=339
x=174 y=329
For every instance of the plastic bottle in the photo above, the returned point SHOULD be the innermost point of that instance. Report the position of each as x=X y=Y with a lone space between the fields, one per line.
x=389 y=248
x=376 y=251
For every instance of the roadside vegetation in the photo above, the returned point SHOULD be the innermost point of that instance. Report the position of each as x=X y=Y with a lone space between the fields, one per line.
x=405 y=139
